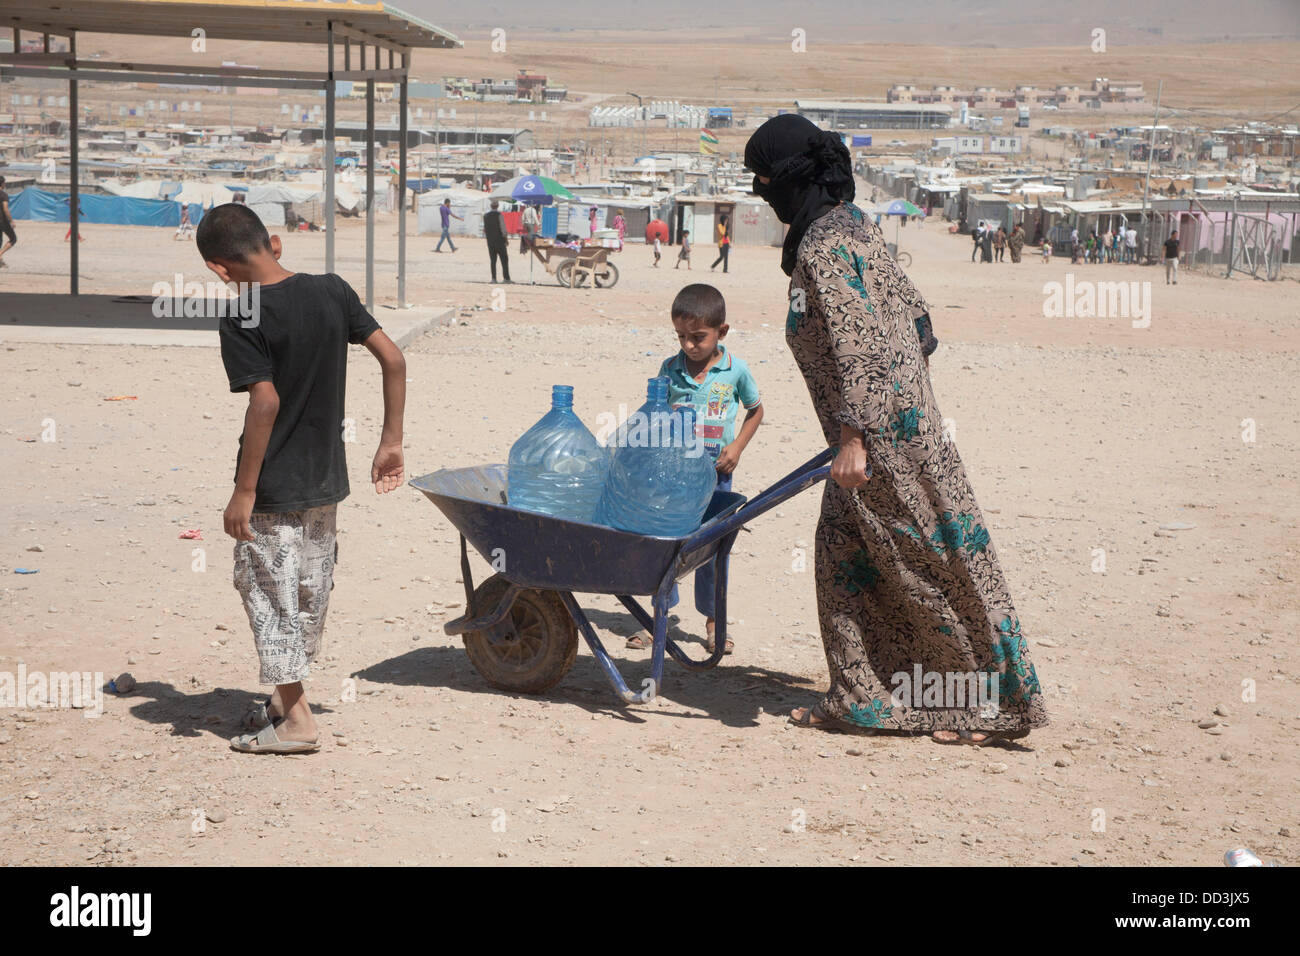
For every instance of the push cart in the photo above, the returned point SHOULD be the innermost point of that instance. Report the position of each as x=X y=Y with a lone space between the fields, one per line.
x=587 y=264
x=521 y=625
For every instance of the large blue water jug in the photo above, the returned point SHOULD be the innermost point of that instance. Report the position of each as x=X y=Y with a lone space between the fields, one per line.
x=557 y=467
x=661 y=478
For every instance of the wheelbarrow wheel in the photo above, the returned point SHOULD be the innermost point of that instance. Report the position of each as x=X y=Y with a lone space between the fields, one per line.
x=606 y=275
x=538 y=654
x=564 y=273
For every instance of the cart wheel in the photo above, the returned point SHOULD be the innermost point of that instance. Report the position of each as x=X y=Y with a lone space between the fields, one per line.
x=905 y=260
x=607 y=275
x=564 y=273
x=540 y=652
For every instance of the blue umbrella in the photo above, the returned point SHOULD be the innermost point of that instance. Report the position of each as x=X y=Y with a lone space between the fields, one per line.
x=538 y=190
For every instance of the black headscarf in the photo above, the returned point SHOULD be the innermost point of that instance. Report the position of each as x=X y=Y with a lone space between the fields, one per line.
x=810 y=171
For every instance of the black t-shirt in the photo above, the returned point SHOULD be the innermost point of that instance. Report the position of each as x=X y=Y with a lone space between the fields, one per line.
x=300 y=344
x=4 y=198
x=493 y=229
x=1171 y=248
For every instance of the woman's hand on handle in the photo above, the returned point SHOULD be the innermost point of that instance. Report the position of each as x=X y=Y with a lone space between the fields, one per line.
x=850 y=470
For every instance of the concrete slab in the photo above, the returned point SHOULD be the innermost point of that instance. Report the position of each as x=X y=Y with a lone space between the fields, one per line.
x=129 y=320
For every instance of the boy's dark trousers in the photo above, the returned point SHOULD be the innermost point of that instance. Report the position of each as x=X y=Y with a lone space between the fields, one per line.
x=499 y=251
x=706 y=574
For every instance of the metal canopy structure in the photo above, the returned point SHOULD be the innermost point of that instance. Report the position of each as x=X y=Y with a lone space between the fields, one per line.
x=374 y=31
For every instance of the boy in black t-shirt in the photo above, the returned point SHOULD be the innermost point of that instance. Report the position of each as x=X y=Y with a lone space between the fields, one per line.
x=290 y=353
x=7 y=234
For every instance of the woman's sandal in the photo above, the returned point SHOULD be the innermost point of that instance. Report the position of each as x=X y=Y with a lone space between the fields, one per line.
x=822 y=723
x=967 y=737
x=641 y=641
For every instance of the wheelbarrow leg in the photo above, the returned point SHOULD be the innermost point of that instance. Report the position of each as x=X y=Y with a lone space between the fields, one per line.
x=602 y=656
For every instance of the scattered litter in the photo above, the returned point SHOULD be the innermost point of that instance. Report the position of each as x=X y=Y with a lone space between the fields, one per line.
x=27 y=571
x=194 y=534
x=121 y=398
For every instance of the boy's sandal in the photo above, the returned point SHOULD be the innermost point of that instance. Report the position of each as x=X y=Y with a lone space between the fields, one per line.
x=266 y=741
x=641 y=641
x=709 y=645
x=258 y=716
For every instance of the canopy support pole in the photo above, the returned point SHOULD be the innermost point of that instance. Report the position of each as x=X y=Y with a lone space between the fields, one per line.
x=329 y=150
x=74 y=162
x=370 y=183
x=401 y=185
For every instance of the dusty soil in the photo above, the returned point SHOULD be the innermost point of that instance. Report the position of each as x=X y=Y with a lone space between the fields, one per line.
x=1078 y=434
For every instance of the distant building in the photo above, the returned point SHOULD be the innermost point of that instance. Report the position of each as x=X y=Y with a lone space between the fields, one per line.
x=865 y=115
x=1118 y=91
x=1105 y=90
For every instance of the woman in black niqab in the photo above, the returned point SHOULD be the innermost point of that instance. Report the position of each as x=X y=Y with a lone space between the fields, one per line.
x=808 y=172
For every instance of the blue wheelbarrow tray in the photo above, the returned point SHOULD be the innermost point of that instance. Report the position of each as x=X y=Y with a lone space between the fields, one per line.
x=554 y=557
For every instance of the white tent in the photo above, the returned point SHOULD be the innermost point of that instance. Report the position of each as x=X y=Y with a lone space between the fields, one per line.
x=469 y=204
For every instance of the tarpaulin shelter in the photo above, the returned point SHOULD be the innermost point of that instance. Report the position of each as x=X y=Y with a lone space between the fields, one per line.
x=41 y=206
x=368 y=31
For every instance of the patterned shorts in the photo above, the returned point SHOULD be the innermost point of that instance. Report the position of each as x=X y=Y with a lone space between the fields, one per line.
x=285 y=577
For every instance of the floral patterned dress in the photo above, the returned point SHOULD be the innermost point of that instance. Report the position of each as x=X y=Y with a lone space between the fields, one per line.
x=919 y=629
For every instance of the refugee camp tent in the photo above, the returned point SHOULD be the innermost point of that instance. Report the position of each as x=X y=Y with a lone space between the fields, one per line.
x=39 y=205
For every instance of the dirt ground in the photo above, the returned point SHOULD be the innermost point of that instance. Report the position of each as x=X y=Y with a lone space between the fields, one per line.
x=1079 y=434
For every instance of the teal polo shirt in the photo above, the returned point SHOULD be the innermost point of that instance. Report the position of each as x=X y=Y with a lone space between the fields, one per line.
x=717 y=400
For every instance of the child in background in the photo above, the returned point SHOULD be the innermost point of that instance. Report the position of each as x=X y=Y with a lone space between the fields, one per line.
x=685 y=253
x=717 y=384
x=658 y=251
x=290 y=474
x=1047 y=251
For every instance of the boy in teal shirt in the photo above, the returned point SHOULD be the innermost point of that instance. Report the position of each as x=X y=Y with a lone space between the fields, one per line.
x=717 y=384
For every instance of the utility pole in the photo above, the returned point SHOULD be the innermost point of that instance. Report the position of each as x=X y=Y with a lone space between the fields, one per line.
x=640 y=109
x=1146 y=190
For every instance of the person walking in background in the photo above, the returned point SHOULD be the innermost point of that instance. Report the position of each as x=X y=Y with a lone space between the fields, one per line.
x=1104 y=248
x=684 y=254
x=986 y=244
x=447 y=216
x=494 y=230
x=67 y=236
x=1131 y=245
x=976 y=234
x=724 y=243
x=532 y=223
x=1047 y=251
x=592 y=219
x=658 y=251
x=1016 y=242
x=999 y=244
x=1171 y=258
x=620 y=224
x=186 y=229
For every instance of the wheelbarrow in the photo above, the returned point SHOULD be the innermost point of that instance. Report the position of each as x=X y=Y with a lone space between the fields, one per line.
x=520 y=626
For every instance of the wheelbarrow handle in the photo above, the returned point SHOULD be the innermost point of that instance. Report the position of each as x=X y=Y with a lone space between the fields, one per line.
x=805 y=476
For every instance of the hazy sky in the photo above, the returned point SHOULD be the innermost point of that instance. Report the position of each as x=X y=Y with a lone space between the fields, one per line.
x=1003 y=22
